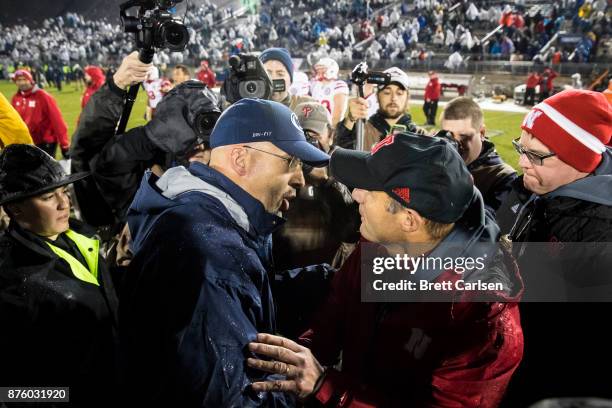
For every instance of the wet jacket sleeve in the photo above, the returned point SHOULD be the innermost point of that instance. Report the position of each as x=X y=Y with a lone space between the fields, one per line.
x=60 y=129
x=472 y=376
x=117 y=162
x=96 y=124
x=119 y=167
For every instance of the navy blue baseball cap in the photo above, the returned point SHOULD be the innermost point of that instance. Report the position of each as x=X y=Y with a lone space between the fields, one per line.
x=259 y=120
x=424 y=173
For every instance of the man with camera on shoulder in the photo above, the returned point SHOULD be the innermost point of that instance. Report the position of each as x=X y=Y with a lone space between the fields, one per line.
x=278 y=64
x=183 y=120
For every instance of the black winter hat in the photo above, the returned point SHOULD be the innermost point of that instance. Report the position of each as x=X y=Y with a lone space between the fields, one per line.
x=26 y=171
x=425 y=173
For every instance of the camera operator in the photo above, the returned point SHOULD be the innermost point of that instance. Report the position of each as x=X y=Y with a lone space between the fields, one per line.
x=322 y=224
x=278 y=65
x=96 y=128
x=118 y=162
x=393 y=107
x=463 y=118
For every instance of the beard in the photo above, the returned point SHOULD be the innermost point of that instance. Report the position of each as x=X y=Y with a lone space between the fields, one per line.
x=387 y=115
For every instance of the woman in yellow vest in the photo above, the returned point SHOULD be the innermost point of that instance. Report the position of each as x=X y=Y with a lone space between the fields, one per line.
x=57 y=301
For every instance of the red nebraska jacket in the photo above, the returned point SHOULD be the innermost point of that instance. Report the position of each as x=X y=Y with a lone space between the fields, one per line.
x=455 y=354
x=533 y=80
x=40 y=112
x=207 y=76
x=432 y=90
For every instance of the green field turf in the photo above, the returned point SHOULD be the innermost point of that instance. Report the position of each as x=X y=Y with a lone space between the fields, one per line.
x=502 y=126
x=69 y=101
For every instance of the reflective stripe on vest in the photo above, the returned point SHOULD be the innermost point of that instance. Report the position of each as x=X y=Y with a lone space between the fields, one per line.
x=89 y=249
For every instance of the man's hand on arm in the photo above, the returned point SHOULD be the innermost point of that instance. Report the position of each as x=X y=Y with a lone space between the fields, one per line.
x=295 y=362
x=132 y=71
x=357 y=109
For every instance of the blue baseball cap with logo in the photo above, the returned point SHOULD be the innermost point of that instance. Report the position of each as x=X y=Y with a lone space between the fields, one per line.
x=259 y=120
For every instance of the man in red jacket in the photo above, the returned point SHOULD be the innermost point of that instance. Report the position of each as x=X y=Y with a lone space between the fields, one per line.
x=530 y=87
x=439 y=344
x=94 y=78
x=206 y=75
x=40 y=112
x=432 y=96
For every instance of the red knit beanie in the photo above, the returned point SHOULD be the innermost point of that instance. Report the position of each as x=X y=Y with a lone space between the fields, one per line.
x=24 y=73
x=574 y=124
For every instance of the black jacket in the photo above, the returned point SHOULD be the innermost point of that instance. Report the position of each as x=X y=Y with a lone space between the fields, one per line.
x=57 y=330
x=492 y=176
x=561 y=241
x=117 y=163
x=319 y=221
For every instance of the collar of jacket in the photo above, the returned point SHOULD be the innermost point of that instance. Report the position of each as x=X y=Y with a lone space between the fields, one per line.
x=43 y=247
x=29 y=92
x=487 y=156
x=287 y=100
x=262 y=221
x=379 y=122
x=29 y=240
x=594 y=188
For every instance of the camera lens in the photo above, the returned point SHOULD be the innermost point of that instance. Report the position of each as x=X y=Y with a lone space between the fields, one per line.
x=252 y=89
x=174 y=35
x=205 y=122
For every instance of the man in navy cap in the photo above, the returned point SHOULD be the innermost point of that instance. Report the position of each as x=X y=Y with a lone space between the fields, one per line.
x=417 y=199
x=198 y=291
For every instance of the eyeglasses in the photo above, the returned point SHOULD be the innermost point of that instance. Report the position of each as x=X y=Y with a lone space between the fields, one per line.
x=294 y=162
x=533 y=157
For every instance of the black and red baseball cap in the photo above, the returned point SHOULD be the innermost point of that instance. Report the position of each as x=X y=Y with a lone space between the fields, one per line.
x=423 y=173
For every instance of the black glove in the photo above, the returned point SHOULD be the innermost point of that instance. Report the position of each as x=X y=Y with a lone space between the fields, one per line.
x=66 y=153
x=184 y=118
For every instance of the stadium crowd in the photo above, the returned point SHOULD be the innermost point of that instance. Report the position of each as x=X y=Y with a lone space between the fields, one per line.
x=393 y=32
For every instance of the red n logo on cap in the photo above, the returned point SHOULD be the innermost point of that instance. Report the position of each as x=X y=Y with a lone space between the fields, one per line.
x=403 y=193
x=306 y=110
x=385 y=142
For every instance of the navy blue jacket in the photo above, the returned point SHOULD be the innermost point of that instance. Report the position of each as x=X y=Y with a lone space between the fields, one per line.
x=197 y=291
